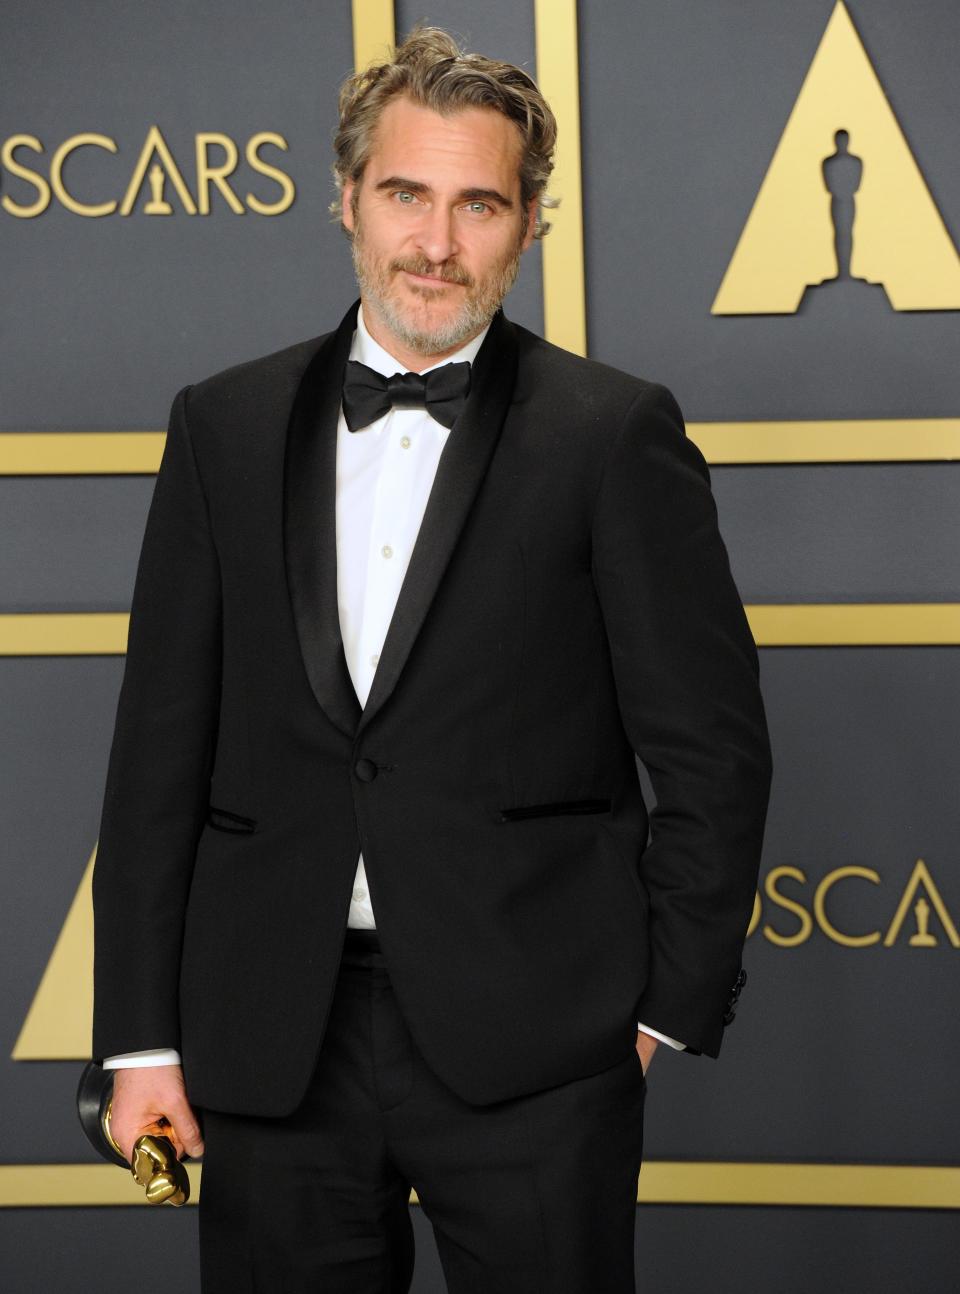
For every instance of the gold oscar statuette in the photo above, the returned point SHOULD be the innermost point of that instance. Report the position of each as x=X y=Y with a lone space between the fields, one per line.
x=155 y=1165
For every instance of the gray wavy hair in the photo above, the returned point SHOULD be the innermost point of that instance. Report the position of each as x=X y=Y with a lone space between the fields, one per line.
x=430 y=68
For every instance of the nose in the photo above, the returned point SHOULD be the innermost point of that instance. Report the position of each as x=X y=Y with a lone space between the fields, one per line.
x=436 y=234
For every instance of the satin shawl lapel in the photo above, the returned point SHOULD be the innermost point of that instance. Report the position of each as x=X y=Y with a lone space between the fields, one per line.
x=310 y=525
x=463 y=464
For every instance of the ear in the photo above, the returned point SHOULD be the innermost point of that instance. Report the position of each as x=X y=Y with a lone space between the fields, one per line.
x=346 y=209
x=531 y=224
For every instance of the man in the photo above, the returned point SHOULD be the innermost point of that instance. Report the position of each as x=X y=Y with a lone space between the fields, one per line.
x=374 y=857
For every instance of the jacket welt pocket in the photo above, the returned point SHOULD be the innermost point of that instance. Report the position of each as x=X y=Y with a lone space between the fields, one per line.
x=224 y=820
x=557 y=808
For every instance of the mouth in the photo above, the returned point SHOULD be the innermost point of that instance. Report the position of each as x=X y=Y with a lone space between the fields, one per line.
x=431 y=279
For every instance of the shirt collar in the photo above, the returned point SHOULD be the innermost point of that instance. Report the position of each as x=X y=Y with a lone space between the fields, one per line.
x=371 y=353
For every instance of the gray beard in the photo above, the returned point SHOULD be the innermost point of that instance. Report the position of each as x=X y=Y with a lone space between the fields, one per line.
x=477 y=310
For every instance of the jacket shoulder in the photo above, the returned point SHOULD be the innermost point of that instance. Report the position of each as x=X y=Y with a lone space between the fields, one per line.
x=580 y=388
x=269 y=379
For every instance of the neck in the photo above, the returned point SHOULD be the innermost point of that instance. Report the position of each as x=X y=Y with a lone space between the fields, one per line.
x=414 y=361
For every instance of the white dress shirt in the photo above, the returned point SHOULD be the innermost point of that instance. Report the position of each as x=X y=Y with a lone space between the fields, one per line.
x=385 y=473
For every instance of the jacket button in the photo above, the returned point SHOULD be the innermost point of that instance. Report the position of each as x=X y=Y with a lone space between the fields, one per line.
x=365 y=769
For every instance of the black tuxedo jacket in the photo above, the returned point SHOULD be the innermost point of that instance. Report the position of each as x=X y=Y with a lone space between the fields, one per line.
x=568 y=603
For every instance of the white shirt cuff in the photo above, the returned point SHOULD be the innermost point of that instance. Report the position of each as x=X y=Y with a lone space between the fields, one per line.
x=662 y=1037
x=143 y=1059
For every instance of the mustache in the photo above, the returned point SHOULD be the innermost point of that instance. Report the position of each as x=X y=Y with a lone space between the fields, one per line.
x=448 y=273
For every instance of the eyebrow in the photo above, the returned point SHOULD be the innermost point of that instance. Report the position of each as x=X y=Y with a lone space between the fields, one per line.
x=465 y=195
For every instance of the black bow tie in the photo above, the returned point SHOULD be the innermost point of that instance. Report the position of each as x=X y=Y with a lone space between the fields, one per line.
x=368 y=395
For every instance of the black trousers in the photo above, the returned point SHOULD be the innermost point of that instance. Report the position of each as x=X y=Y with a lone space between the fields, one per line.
x=529 y=1196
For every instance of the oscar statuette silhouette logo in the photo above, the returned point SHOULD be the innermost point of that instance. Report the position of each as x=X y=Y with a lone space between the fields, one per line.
x=158 y=205
x=842 y=172
x=923 y=938
x=843 y=206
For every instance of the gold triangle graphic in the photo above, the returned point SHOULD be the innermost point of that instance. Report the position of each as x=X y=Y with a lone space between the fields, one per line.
x=58 y=1024
x=899 y=238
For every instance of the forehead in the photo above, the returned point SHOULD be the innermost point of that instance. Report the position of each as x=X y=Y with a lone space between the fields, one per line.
x=471 y=147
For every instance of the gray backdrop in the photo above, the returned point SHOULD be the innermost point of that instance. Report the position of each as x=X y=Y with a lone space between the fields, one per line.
x=838 y=1054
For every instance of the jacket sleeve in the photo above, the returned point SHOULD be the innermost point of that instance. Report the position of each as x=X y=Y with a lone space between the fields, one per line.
x=158 y=776
x=686 y=672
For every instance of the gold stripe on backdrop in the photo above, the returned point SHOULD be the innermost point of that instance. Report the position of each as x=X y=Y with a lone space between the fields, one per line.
x=796 y=624
x=80 y=453
x=831 y=1185
x=837 y=440
x=558 y=76
x=857 y=1186
x=877 y=440
x=856 y=624
x=373 y=30
x=64 y=633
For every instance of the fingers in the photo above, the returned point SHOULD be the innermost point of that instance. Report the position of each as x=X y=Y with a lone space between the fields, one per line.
x=186 y=1128
x=153 y=1099
x=124 y=1134
x=126 y=1124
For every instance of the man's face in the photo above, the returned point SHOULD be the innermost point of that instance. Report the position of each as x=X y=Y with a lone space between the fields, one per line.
x=436 y=225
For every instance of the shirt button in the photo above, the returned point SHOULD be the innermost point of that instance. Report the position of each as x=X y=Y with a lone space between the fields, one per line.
x=374 y=658
x=405 y=442
x=359 y=894
x=387 y=550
